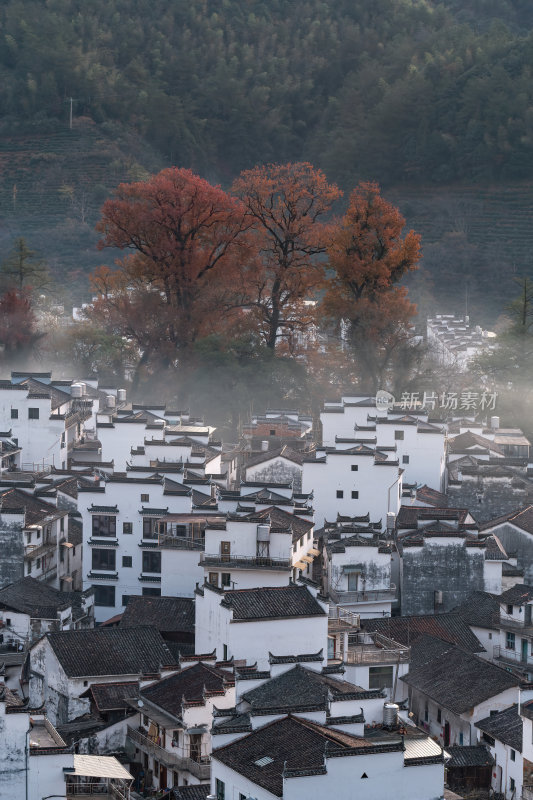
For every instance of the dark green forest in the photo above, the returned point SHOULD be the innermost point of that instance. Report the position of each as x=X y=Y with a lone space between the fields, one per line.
x=425 y=97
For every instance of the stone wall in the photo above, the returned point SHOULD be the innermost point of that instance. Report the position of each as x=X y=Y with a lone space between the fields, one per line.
x=489 y=497
x=11 y=548
x=453 y=569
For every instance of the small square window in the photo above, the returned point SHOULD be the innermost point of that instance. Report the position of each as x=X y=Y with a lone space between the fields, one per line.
x=439 y=715
x=398 y=435
x=340 y=493
x=150 y=591
x=225 y=579
x=355 y=495
x=509 y=609
x=127 y=527
x=511 y=784
x=405 y=459
x=355 y=467
x=272 y=432
x=127 y=561
x=33 y=413
x=213 y=578
x=513 y=755
x=14 y=413
x=145 y=498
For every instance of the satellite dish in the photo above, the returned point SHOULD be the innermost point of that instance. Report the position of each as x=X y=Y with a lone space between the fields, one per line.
x=140 y=703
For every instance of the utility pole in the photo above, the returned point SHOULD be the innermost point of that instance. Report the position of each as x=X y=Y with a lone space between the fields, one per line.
x=71 y=100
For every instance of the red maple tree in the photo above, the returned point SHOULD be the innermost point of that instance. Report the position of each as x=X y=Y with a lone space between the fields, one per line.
x=286 y=204
x=186 y=239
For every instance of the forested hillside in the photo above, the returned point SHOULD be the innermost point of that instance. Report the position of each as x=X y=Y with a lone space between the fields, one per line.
x=407 y=92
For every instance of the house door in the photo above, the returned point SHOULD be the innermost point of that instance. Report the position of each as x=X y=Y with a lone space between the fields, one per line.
x=225 y=550
x=524 y=650
x=162 y=777
x=353 y=581
x=446 y=734
x=195 y=746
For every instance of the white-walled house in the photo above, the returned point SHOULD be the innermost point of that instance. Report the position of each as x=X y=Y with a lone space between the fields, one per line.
x=265 y=548
x=243 y=624
x=358 y=573
x=63 y=665
x=353 y=481
x=502 y=733
x=30 y=531
x=36 y=761
x=282 y=464
x=45 y=417
x=298 y=758
x=122 y=555
x=171 y=731
x=451 y=689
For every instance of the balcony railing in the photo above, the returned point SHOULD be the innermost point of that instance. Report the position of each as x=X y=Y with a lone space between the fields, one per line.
x=113 y=791
x=513 y=656
x=522 y=625
x=200 y=767
x=180 y=542
x=367 y=596
x=374 y=648
x=36 y=550
x=341 y=619
x=244 y=562
x=527 y=791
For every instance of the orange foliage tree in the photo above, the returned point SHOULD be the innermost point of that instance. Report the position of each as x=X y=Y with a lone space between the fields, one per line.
x=18 y=333
x=185 y=238
x=286 y=205
x=368 y=257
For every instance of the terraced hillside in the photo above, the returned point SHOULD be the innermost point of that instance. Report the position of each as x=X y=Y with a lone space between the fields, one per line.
x=52 y=186
x=476 y=239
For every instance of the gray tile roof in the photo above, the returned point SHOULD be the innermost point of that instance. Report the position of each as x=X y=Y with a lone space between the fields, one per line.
x=167 y=614
x=36 y=598
x=189 y=685
x=517 y=595
x=276 y=602
x=471 y=756
x=506 y=726
x=457 y=680
x=299 y=690
x=197 y=792
x=451 y=628
x=290 y=743
x=480 y=609
x=110 y=651
x=112 y=696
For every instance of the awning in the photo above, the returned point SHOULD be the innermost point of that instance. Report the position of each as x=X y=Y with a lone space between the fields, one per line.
x=300 y=565
x=198 y=729
x=99 y=767
x=307 y=559
x=352 y=567
x=313 y=551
